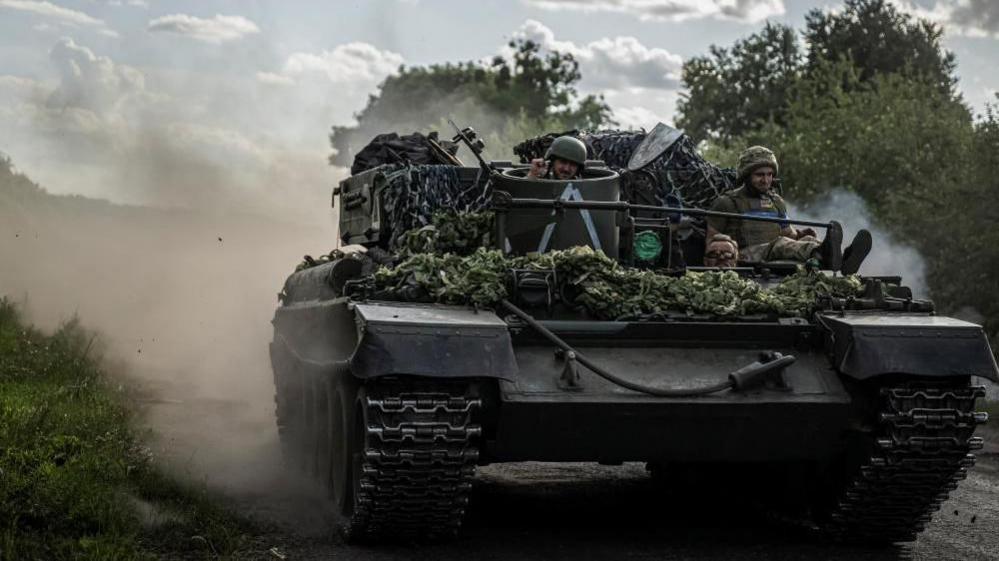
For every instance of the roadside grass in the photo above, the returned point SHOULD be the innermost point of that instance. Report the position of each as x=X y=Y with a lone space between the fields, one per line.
x=75 y=481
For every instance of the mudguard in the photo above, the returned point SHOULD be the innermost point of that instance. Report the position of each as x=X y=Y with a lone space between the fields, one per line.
x=864 y=345
x=431 y=340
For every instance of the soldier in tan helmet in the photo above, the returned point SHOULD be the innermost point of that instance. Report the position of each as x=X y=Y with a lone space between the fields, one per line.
x=760 y=241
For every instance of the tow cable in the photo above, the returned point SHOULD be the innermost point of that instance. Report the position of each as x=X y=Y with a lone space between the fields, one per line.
x=750 y=375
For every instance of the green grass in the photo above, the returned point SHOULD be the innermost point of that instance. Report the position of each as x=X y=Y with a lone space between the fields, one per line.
x=73 y=473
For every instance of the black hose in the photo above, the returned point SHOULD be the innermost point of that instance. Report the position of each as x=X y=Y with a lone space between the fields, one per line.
x=661 y=392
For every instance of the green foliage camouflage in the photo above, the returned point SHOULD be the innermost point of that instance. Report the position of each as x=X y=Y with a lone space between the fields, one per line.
x=602 y=287
x=450 y=232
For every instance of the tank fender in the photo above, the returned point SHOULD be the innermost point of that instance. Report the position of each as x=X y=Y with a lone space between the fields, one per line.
x=865 y=345
x=431 y=340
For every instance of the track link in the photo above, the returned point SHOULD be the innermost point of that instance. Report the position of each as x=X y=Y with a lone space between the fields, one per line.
x=418 y=464
x=923 y=449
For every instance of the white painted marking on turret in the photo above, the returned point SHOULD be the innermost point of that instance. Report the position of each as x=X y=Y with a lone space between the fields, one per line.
x=571 y=193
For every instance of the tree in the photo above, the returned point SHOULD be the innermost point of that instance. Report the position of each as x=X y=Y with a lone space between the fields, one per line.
x=897 y=143
x=966 y=274
x=532 y=91
x=734 y=91
x=880 y=40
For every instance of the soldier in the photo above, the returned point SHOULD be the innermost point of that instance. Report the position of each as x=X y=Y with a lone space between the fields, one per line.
x=722 y=251
x=564 y=159
x=767 y=241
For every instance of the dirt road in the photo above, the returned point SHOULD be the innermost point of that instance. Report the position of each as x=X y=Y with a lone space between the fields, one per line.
x=539 y=511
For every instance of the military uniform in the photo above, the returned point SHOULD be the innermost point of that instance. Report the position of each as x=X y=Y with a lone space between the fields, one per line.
x=759 y=241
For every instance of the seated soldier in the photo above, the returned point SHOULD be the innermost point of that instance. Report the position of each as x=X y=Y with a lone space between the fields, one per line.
x=770 y=241
x=564 y=159
x=722 y=251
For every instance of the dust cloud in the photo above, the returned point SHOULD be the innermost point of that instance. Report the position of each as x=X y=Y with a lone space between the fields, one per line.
x=888 y=256
x=183 y=301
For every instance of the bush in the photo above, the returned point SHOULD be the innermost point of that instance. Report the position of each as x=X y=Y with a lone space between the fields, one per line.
x=71 y=467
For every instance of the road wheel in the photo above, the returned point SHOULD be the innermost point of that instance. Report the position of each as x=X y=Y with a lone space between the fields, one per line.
x=340 y=411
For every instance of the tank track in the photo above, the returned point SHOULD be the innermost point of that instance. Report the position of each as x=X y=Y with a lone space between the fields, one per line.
x=416 y=474
x=921 y=452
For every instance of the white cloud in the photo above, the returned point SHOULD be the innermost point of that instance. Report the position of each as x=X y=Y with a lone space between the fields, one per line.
x=640 y=83
x=330 y=85
x=749 y=11
x=971 y=18
x=350 y=62
x=63 y=16
x=208 y=141
x=610 y=63
x=642 y=108
x=637 y=117
x=215 y=30
x=91 y=82
x=274 y=79
x=50 y=10
x=15 y=88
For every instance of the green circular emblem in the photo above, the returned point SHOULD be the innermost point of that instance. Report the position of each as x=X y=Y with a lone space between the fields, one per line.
x=648 y=247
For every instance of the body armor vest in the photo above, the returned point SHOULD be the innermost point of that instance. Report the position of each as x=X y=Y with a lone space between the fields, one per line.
x=747 y=233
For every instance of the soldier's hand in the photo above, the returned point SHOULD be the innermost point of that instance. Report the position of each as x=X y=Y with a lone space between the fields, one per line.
x=806 y=232
x=537 y=168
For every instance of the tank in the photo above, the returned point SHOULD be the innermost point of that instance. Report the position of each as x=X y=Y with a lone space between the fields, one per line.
x=860 y=416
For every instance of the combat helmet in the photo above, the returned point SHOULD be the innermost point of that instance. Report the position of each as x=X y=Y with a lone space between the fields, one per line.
x=568 y=148
x=754 y=158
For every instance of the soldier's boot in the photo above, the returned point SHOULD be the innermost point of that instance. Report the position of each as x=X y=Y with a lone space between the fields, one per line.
x=856 y=252
x=831 y=250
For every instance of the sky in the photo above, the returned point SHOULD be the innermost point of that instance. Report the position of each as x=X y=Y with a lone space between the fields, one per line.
x=229 y=103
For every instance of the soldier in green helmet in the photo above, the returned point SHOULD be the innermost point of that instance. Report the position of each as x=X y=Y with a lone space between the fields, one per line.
x=564 y=159
x=770 y=241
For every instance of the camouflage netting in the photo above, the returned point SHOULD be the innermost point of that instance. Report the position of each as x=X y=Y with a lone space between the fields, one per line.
x=478 y=277
x=414 y=193
x=613 y=147
x=680 y=175
x=458 y=233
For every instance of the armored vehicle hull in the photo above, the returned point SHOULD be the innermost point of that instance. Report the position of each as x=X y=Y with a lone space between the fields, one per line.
x=393 y=405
